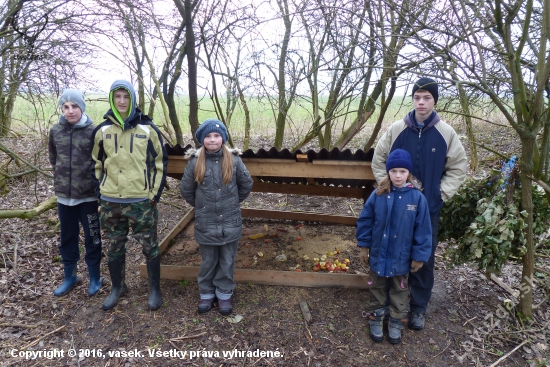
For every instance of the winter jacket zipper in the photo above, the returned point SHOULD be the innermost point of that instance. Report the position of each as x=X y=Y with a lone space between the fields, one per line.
x=71 y=161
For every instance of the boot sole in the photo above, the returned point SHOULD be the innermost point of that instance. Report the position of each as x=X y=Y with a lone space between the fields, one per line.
x=122 y=293
x=394 y=341
x=377 y=339
x=68 y=290
x=415 y=328
x=226 y=313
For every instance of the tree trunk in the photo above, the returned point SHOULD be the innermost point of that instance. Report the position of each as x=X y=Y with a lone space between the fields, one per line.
x=281 y=86
x=192 y=70
x=246 y=117
x=526 y=171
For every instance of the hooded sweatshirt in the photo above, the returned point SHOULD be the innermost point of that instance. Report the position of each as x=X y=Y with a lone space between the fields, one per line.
x=129 y=156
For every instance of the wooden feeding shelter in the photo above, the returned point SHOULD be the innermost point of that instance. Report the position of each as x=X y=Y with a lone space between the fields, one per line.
x=325 y=173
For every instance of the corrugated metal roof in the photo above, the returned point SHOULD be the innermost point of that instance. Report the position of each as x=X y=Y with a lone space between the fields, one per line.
x=323 y=154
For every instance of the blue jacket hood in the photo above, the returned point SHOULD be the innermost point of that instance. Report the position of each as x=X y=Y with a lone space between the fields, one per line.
x=117 y=84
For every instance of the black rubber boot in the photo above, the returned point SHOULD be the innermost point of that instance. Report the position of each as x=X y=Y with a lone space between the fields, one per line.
x=153 y=273
x=117 y=270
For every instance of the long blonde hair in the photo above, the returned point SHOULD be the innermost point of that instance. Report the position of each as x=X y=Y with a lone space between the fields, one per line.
x=227 y=165
x=385 y=185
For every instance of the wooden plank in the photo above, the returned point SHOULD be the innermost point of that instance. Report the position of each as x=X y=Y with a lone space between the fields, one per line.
x=305 y=216
x=175 y=167
x=342 y=163
x=307 y=169
x=268 y=160
x=269 y=277
x=289 y=168
x=302 y=158
x=318 y=190
x=176 y=230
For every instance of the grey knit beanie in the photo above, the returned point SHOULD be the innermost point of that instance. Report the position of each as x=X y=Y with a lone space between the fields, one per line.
x=209 y=126
x=75 y=96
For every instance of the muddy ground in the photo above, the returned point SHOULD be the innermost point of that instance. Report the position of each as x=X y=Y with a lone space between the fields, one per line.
x=466 y=324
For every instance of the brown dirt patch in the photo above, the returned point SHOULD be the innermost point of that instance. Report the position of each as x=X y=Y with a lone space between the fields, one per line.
x=298 y=246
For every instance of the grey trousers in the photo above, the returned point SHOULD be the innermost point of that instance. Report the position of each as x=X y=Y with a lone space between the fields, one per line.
x=398 y=293
x=217 y=268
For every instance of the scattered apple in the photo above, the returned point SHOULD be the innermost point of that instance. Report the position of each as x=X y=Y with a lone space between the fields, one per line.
x=298 y=238
x=299 y=225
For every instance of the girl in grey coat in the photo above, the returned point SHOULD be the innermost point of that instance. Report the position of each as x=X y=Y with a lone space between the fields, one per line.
x=215 y=182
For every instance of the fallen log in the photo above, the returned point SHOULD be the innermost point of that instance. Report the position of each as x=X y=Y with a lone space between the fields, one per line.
x=29 y=213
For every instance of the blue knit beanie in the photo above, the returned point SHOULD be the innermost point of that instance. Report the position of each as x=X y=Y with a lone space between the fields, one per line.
x=429 y=85
x=211 y=126
x=75 y=96
x=399 y=158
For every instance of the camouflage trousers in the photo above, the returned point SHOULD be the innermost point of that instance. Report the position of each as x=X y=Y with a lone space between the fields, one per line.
x=116 y=221
x=398 y=288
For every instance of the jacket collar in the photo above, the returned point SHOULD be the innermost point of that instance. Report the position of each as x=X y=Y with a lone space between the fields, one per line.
x=63 y=121
x=192 y=152
x=410 y=121
x=138 y=116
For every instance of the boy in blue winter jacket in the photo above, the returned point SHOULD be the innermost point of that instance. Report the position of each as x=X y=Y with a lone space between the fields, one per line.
x=439 y=163
x=394 y=231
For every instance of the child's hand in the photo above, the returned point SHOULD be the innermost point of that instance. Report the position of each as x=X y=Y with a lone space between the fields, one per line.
x=364 y=256
x=416 y=265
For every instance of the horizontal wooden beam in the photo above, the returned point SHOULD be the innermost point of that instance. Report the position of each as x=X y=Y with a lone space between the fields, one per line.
x=268 y=168
x=176 y=230
x=304 y=216
x=269 y=277
x=318 y=190
x=351 y=170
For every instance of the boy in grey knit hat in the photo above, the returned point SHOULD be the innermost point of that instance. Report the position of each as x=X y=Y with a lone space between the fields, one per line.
x=70 y=144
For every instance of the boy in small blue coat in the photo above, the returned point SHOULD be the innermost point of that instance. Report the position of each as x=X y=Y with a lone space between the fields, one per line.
x=394 y=229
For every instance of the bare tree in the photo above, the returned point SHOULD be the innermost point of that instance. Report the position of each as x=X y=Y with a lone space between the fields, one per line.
x=39 y=49
x=500 y=49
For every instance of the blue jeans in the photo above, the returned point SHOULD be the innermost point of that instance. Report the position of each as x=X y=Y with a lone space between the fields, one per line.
x=70 y=218
x=421 y=283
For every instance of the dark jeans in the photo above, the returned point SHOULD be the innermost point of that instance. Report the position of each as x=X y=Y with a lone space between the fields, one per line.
x=70 y=218
x=421 y=283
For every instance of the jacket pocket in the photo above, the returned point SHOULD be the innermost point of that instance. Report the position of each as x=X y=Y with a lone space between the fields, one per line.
x=104 y=178
x=144 y=179
x=200 y=219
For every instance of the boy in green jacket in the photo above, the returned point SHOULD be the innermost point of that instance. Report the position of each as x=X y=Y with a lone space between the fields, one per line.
x=129 y=172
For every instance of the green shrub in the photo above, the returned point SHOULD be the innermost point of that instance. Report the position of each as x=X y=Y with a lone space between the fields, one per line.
x=483 y=222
